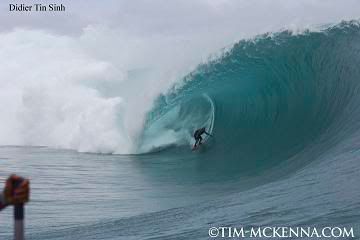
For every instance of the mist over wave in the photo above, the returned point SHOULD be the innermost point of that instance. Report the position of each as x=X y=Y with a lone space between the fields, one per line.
x=89 y=92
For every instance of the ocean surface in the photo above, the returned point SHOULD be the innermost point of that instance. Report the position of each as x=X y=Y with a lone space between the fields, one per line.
x=284 y=110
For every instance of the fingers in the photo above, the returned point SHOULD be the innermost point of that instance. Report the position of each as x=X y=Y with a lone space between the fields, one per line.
x=24 y=185
x=22 y=193
x=23 y=188
x=18 y=195
x=13 y=178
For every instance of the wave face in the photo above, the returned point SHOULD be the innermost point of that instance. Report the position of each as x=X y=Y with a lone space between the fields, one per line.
x=277 y=97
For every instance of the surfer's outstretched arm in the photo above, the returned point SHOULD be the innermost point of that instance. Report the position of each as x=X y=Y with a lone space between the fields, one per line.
x=208 y=134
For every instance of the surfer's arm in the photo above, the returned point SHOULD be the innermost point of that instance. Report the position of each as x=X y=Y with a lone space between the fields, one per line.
x=208 y=134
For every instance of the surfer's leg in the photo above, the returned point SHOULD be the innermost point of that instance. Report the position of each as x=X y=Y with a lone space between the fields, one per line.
x=200 y=140
x=196 y=142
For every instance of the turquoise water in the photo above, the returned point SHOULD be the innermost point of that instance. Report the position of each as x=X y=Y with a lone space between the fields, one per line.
x=284 y=113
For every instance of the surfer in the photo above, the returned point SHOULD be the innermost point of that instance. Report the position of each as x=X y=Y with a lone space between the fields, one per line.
x=17 y=195
x=197 y=136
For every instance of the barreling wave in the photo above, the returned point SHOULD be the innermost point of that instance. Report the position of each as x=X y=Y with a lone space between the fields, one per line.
x=266 y=100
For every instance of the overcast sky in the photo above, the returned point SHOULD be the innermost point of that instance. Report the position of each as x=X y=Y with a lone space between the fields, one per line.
x=180 y=17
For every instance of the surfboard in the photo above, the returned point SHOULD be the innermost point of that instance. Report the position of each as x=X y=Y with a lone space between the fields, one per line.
x=197 y=147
